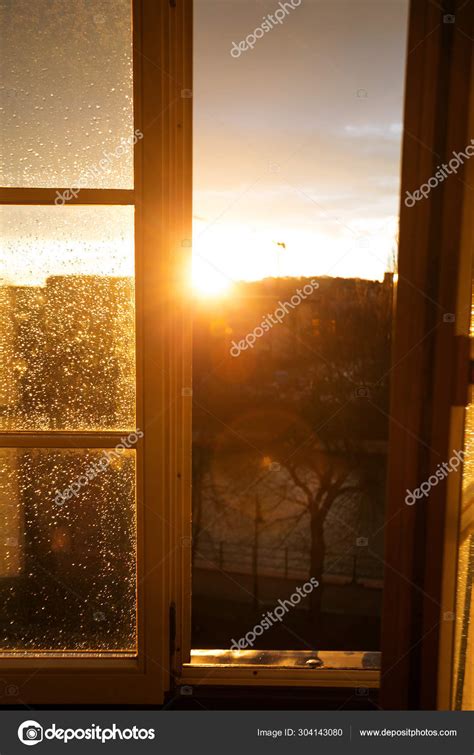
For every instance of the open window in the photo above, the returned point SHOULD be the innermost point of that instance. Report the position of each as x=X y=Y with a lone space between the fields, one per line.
x=266 y=456
x=296 y=202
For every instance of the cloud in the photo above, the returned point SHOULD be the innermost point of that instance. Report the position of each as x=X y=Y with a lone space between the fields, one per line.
x=375 y=131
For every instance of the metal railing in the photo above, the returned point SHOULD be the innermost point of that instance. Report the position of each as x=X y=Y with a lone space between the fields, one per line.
x=284 y=562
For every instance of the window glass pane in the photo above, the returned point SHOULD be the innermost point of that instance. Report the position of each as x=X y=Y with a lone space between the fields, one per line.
x=464 y=648
x=298 y=124
x=67 y=564
x=66 y=97
x=67 y=335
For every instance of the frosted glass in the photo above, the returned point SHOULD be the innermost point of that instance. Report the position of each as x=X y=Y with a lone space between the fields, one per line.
x=68 y=570
x=66 y=96
x=67 y=334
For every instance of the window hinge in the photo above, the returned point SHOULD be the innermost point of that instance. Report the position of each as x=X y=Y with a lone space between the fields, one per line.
x=463 y=370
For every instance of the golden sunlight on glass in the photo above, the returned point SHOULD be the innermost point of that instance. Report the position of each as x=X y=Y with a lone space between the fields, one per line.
x=67 y=330
x=67 y=560
x=464 y=649
x=66 y=94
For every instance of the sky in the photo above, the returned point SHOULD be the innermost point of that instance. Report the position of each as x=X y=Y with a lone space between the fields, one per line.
x=297 y=141
x=40 y=241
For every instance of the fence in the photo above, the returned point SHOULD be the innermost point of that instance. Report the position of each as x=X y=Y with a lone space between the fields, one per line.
x=284 y=562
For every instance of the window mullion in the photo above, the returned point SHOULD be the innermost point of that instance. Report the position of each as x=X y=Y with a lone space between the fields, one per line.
x=60 y=197
x=61 y=439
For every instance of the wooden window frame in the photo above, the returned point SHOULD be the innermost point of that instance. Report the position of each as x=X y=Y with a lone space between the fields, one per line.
x=431 y=367
x=162 y=186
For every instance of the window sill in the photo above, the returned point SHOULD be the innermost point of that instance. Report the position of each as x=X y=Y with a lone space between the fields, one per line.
x=283 y=668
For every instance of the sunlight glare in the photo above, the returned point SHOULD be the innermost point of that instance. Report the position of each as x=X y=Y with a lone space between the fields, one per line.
x=206 y=280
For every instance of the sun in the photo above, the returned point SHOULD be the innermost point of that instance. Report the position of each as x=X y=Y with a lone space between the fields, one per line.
x=207 y=281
